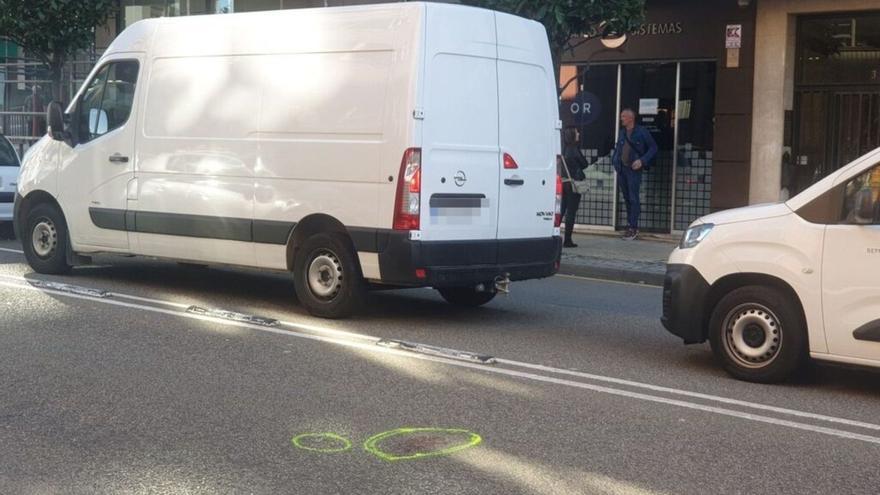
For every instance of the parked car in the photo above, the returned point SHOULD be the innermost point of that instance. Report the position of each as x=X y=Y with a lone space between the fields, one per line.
x=9 y=168
x=772 y=285
x=368 y=146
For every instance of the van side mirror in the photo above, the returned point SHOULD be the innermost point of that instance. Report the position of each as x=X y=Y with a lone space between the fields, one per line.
x=865 y=206
x=55 y=119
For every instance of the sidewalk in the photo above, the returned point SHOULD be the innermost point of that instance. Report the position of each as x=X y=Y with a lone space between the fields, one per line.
x=607 y=256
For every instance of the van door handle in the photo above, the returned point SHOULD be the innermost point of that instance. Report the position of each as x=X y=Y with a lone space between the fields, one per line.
x=118 y=158
x=514 y=182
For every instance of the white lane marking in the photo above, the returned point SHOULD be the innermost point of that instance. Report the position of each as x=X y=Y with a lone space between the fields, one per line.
x=303 y=326
x=501 y=371
x=696 y=395
x=331 y=331
x=602 y=280
x=16 y=251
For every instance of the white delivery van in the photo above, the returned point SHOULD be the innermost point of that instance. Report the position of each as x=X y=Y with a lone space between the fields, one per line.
x=9 y=168
x=401 y=145
x=771 y=285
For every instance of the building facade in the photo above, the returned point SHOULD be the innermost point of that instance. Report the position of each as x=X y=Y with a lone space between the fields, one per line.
x=749 y=100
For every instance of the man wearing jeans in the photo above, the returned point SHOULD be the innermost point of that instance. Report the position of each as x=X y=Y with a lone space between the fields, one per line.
x=632 y=155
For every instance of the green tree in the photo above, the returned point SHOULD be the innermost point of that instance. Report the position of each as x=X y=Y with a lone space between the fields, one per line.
x=571 y=23
x=53 y=31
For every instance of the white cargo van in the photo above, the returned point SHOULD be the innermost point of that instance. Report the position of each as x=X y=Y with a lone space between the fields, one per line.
x=9 y=168
x=771 y=285
x=400 y=145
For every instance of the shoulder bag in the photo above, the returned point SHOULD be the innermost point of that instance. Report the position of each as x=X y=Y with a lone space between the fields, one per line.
x=577 y=186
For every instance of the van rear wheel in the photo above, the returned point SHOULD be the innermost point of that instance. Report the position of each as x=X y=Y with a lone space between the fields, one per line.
x=466 y=296
x=758 y=335
x=45 y=240
x=327 y=276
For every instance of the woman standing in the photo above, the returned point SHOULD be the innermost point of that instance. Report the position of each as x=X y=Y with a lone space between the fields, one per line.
x=576 y=165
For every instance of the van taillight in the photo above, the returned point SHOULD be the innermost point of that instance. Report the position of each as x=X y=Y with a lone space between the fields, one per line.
x=407 y=204
x=509 y=162
x=558 y=220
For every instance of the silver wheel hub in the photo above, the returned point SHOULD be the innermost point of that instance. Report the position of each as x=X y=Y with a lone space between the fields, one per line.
x=325 y=275
x=752 y=335
x=44 y=238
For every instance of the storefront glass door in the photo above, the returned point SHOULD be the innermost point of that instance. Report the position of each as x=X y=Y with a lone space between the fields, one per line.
x=650 y=90
x=675 y=101
x=696 y=135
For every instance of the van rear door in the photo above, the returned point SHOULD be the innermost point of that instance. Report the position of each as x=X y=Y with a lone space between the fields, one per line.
x=460 y=174
x=528 y=130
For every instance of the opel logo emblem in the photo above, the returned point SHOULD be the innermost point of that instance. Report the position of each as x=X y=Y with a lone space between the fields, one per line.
x=460 y=178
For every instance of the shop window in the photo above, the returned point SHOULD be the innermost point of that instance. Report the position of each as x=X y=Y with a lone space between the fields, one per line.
x=696 y=113
x=649 y=90
x=839 y=49
x=588 y=103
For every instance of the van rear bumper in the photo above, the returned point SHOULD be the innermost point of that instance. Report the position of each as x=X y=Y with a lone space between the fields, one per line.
x=463 y=263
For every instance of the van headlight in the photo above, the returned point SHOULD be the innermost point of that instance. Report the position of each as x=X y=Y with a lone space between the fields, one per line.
x=695 y=235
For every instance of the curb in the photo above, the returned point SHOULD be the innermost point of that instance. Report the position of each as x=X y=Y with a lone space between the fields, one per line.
x=613 y=274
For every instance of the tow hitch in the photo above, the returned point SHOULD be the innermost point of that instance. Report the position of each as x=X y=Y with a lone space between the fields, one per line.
x=502 y=284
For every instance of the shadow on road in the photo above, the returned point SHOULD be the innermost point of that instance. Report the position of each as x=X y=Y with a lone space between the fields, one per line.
x=6 y=231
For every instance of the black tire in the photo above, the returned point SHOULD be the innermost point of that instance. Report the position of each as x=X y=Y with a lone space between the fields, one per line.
x=339 y=289
x=45 y=239
x=466 y=296
x=758 y=334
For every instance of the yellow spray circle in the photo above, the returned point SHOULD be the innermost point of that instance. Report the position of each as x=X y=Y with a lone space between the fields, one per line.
x=372 y=444
x=302 y=442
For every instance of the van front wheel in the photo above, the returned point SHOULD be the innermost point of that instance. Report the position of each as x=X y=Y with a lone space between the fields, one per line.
x=45 y=240
x=327 y=276
x=758 y=335
x=466 y=296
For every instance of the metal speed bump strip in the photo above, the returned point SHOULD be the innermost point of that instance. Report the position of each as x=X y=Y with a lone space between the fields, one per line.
x=71 y=289
x=436 y=351
x=232 y=315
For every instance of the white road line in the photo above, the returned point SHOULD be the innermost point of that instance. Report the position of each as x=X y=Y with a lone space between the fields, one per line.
x=487 y=369
x=303 y=326
x=7 y=250
x=604 y=280
x=331 y=331
x=696 y=395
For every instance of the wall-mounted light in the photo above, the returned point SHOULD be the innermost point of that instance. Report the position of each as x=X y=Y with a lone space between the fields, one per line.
x=611 y=40
x=743 y=3
x=614 y=42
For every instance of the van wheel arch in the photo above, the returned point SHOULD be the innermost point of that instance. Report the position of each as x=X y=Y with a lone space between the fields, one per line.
x=318 y=223
x=28 y=202
x=727 y=284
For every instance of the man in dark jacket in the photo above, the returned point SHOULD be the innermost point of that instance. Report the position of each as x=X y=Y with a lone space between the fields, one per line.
x=632 y=155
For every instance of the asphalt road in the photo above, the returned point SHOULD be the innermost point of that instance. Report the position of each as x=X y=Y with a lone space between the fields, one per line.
x=132 y=393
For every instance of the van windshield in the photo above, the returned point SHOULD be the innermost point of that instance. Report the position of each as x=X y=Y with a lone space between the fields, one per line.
x=8 y=157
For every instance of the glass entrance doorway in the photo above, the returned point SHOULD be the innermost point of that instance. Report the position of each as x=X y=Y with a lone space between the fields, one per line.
x=675 y=101
x=837 y=96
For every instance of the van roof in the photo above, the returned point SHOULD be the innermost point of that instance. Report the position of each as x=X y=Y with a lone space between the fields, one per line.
x=138 y=36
